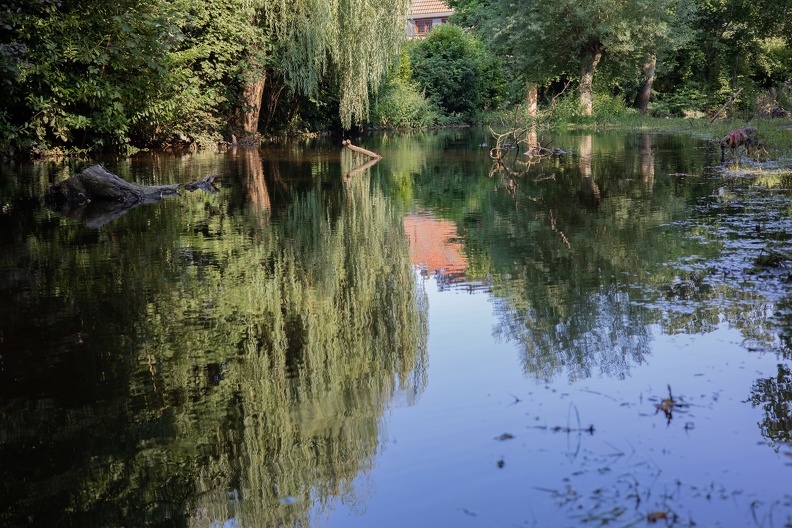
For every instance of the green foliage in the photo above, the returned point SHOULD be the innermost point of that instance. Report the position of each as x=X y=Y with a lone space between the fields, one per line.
x=784 y=96
x=566 y=109
x=351 y=44
x=456 y=71
x=608 y=106
x=735 y=44
x=83 y=73
x=205 y=70
x=98 y=74
x=401 y=105
x=86 y=68
x=687 y=100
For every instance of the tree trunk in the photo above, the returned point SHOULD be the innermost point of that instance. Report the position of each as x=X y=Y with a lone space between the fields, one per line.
x=642 y=99
x=96 y=196
x=588 y=66
x=531 y=99
x=251 y=106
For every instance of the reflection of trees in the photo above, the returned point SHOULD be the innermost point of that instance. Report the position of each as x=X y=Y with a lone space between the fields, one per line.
x=577 y=285
x=604 y=333
x=647 y=160
x=589 y=190
x=331 y=331
x=774 y=396
x=570 y=300
x=258 y=362
x=258 y=195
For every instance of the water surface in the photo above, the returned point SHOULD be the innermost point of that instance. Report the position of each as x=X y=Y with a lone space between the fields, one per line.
x=428 y=342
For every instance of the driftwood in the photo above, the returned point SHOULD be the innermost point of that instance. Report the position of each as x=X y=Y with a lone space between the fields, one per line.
x=97 y=183
x=96 y=196
x=370 y=163
x=348 y=144
x=206 y=184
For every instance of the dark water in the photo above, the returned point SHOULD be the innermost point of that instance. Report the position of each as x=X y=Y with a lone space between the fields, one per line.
x=595 y=338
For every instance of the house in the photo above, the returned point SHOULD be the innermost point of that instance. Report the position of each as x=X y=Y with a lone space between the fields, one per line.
x=424 y=14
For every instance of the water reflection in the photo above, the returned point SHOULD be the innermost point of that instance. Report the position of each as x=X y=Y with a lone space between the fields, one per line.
x=589 y=190
x=239 y=358
x=189 y=363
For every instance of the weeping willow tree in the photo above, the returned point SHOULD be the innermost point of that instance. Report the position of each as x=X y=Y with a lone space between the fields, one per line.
x=351 y=42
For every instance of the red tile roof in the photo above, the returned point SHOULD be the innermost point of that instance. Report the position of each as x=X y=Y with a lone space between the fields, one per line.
x=427 y=7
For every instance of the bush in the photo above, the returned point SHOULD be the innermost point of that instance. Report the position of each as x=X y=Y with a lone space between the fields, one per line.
x=567 y=108
x=456 y=71
x=402 y=105
x=607 y=105
x=784 y=97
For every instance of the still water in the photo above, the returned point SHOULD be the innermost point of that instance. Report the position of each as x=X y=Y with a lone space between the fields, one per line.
x=587 y=339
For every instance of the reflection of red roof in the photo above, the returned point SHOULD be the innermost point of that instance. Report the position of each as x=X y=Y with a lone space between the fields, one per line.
x=433 y=245
x=428 y=7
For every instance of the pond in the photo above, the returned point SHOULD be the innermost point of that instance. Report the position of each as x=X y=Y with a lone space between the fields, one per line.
x=597 y=337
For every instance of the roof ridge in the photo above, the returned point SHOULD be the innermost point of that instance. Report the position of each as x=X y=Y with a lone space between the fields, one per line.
x=428 y=6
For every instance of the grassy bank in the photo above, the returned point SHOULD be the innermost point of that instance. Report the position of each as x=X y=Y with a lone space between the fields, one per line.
x=775 y=134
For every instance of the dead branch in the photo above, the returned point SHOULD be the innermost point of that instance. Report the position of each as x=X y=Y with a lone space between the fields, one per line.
x=348 y=144
x=96 y=196
x=553 y=101
x=206 y=183
x=730 y=101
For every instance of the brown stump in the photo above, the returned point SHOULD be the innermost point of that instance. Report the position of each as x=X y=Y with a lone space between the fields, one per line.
x=96 y=196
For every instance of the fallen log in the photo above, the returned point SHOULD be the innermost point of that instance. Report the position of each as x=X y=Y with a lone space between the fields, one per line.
x=97 y=183
x=206 y=183
x=96 y=196
x=348 y=144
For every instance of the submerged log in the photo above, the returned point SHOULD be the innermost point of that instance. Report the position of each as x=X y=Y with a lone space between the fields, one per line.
x=206 y=183
x=96 y=196
x=98 y=184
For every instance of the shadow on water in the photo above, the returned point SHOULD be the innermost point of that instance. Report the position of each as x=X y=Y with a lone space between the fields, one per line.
x=246 y=357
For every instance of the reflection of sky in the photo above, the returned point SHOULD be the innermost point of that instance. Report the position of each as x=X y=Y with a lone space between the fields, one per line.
x=439 y=465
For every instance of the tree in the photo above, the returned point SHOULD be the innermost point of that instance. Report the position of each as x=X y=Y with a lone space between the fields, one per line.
x=351 y=43
x=80 y=71
x=569 y=38
x=731 y=46
x=89 y=73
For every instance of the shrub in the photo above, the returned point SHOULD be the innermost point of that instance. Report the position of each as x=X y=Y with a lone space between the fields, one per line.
x=456 y=71
x=401 y=105
x=608 y=106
